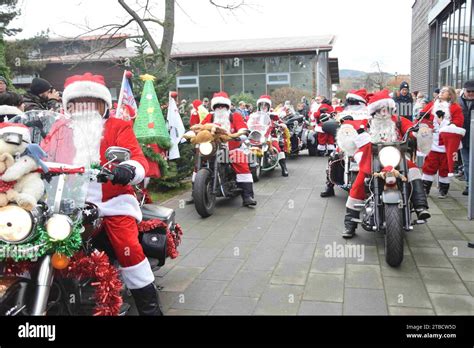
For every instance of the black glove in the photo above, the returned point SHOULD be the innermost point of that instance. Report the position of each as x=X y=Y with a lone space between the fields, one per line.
x=361 y=130
x=440 y=113
x=123 y=174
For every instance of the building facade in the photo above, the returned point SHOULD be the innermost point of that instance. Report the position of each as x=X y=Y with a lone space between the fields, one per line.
x=442 y=44
x=256 y=67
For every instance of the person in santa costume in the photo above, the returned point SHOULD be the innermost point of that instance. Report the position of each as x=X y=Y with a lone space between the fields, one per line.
x=233 y=122
x=325 y=141
x=264 y=104
x=447 y=120
x=382 y=127
x=87 y=102
x=355 y=110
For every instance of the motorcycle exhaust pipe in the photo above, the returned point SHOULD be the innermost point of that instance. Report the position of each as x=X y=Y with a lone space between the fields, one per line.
x=43 y=286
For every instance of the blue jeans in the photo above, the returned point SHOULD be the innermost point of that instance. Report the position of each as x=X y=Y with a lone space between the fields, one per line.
x=465 y=161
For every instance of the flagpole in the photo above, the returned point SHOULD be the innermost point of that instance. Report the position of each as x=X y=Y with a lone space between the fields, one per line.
x=120 y=100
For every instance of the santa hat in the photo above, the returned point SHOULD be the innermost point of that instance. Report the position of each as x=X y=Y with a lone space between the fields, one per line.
x=451 y=137
x=379 y=100
x=360 y=95
x=84 y=86
x=16 y=128
x=220 y=98
x=196 y=103
x=265 y=99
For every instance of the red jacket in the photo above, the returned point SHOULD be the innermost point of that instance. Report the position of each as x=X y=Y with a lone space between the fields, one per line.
x=317 y=114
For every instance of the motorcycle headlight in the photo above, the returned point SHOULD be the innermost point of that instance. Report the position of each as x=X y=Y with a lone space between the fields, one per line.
x=256 y=137
x=16 y=224
x=390 y=156
x=59 y=227
x=206 y=149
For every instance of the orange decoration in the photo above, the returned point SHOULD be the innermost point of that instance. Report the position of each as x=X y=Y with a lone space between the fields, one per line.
x=59 y=261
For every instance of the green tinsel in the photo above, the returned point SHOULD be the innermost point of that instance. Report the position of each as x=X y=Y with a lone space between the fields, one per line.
x=163 y=143
x=42 y=245
x=158 y=158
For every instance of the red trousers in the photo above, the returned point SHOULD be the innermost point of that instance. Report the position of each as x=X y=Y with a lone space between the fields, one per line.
x=325 y=139
x=123 y=235
x=240 y=164
x=436 y=162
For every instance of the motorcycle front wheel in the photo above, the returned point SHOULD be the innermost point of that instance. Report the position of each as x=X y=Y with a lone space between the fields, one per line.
x=394 y=235
x=204 y=199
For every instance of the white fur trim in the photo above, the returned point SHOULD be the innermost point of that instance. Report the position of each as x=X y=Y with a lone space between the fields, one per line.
x=427 y=177
x=25 y=132
x=444 y=180
x=321 y=147
x=362 y=139
x=84 y=89
x=194 y=176
x=139 y=172
x=264 y=100
x=220 y=100
x=450 y=175
x=9 y=110
x=414 y=174
x=380 y=104
x=244 y=178
x=358 y=157
x=137 y=276
x=452 y=128
x=351 y=202
x=355 y=96
x=120 y=205
x=331 y=147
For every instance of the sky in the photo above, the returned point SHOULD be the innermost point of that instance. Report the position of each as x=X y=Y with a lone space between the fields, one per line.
x=367 y=31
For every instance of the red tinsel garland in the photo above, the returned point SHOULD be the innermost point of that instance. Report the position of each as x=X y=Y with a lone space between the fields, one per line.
x=13 y=268
x=173 y=239
x=108 y=285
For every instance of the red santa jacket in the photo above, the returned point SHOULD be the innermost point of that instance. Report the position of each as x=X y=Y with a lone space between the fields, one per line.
x=237 y=123
x=317 y=114
x=194 y=119
x=363 y=142
x=454 y=116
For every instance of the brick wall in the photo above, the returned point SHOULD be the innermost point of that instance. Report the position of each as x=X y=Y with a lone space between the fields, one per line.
x=420 y=46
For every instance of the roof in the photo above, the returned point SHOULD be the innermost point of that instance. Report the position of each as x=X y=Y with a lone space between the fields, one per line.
x=88 y=38
x=252 y=46
x=114 y=54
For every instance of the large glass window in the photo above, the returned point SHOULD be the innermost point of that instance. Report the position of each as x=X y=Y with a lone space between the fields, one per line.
x=188 y=93
x=208 y=85
x=188 y=67
x=301 y=63
x=254 y=65
x=232 y=66
x=255 y=84
x=444 y=40
x=302 y=81
x=278 y=64
x=233 y=84
x=209 y=67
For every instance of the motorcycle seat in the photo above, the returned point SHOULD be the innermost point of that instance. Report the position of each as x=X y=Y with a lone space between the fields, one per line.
x=152 y=211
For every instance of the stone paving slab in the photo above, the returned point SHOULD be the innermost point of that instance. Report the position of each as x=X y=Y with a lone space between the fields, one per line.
x=280 y=258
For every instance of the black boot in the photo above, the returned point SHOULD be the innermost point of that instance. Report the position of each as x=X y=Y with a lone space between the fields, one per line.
x=146 y=300
x=349 y=225
x=427 y=186
x=329 y=192
x=247 y=194
x=284 y=170
x=419 y=200
x=443 y=190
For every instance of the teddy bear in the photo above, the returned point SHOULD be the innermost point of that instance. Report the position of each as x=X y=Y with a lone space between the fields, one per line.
x=209 y=132
x=21 y=182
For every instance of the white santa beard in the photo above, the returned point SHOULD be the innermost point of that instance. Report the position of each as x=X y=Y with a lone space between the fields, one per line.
x=87 y=133
x=221 y=118
x=383 y=130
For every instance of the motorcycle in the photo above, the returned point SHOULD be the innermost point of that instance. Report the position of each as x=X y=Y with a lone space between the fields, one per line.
x=264 y=157
x=388 y=208
x=214 y=174
x=302 y=134
x=63 y=231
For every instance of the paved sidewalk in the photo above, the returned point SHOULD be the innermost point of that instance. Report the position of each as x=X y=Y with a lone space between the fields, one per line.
x=281 y=258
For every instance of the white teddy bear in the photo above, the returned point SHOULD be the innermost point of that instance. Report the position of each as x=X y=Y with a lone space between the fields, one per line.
x=21 y=182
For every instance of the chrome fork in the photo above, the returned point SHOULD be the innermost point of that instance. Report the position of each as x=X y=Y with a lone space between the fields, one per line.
x=43 y=287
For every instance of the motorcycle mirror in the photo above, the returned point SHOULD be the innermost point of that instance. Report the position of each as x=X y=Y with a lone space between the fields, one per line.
x=117 y=154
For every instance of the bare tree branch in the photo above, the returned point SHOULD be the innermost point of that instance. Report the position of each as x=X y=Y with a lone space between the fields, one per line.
x=228 y=6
